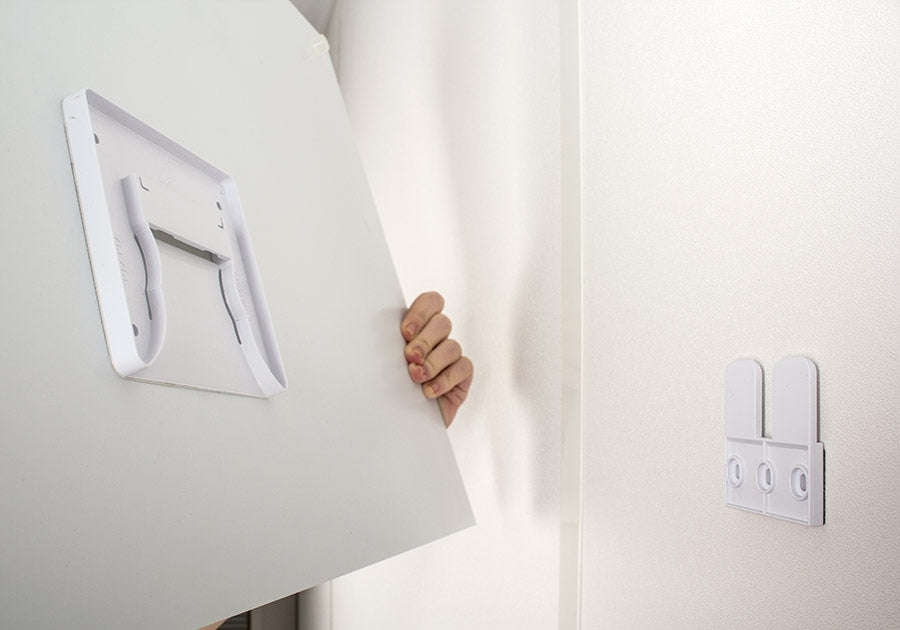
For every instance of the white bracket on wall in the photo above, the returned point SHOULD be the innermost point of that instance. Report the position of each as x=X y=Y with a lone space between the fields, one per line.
x=782 y=476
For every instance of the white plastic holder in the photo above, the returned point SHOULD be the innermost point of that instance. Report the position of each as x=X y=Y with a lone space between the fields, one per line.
x=177 y=283
x=782 y=476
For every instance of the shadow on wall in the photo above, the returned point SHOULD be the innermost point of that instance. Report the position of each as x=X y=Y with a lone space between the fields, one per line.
x=501 y=124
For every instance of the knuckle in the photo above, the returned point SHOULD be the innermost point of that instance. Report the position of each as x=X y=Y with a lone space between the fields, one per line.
x=454 y=350
x=443 y=321
x=457 y=396
x=435 y=298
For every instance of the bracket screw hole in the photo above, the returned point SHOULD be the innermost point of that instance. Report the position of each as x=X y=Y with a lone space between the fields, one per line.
x=734 y=472
x=765 y=477
x=799 y=483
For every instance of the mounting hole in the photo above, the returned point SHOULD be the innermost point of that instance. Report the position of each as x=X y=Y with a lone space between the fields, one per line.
x=96 y=139
x=800 y=483
x=734 y=472
x=134 y=329
x=218 y=205
x=765 y=477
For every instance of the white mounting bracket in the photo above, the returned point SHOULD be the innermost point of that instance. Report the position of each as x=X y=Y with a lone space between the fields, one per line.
x=176 y=277
x=782 y=476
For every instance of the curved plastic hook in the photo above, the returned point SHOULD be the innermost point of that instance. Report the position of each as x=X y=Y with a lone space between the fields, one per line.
x=156 y=305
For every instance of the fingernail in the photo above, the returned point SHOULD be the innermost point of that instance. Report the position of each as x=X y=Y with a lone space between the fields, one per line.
x=433 y=390
x=411 y=330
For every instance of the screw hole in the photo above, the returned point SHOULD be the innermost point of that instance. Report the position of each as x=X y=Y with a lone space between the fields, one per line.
x=734 y=472
x=218 y=205
x=134 y=329
x=96 y=139
x=799 y=483
x=765 y=478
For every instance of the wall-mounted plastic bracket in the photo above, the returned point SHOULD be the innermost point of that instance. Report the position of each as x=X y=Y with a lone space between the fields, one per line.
x=782 y=476
x=176 y=278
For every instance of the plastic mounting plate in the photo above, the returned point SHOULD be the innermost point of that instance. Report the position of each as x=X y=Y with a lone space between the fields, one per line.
x=180 y=296
x=782 y=476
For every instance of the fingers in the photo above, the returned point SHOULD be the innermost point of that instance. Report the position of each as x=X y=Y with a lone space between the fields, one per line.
x=431 y=336
x=434 y=360
x=445 y=354
x=456 y=374
x=451 y=400
x=420 y=312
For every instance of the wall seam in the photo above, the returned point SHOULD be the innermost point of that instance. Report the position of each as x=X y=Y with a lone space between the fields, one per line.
x=572 y=327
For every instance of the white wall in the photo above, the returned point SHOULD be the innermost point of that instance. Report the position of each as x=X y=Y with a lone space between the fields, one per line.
x=741 y=200
x=455 y=110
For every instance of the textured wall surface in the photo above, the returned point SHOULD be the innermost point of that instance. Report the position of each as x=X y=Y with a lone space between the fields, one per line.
x=741 y=200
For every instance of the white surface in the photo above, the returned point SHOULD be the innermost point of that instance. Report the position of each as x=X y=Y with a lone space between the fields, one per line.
x=176 y=278
x=743 y=399
x=455 y=107
x=741 y=199
x=783 y=476
x=132 y=505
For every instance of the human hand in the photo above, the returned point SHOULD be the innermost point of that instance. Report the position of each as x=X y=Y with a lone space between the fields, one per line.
x=435 y=361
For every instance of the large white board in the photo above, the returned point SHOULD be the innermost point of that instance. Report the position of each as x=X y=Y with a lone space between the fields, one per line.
x=129 y=504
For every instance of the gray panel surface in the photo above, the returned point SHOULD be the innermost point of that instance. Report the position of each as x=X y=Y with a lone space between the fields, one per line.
x=137 y=505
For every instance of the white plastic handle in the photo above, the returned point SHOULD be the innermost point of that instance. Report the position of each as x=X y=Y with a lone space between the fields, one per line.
x=156 y=304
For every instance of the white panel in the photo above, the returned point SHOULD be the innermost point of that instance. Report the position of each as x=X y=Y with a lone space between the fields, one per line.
x=128 y=504
x=741 y=166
